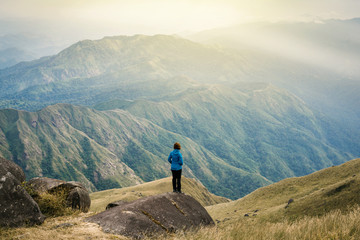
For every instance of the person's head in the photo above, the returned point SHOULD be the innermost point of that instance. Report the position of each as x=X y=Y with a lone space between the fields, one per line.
x=177 y=146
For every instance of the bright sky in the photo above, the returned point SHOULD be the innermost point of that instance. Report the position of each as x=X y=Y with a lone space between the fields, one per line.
x=116 y=17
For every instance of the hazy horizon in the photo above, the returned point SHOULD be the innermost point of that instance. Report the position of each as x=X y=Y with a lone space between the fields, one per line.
x=77 y=20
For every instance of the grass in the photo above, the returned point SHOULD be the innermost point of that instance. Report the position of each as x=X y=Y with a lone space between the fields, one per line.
x=314 y=195
x=65 y=228
x=99 y=200
x=325 y=206
x=333 y=225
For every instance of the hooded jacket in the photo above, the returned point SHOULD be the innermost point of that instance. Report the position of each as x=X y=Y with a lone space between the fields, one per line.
x=176 y=160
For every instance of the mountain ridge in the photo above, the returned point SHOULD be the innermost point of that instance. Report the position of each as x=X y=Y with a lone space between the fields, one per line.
x=105 y=149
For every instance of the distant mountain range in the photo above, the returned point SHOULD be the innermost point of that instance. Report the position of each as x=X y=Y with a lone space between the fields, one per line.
x=109 y=149
x=140 y=94
x=234 y=139
x=19 y=47
x=319 y=62
x=115 y=67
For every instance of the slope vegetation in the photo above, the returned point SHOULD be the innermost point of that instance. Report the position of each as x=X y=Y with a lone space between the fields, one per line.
x=334 y=188
x=89 y=72
x=255 y=127
x=192 y=187
x=106 y=149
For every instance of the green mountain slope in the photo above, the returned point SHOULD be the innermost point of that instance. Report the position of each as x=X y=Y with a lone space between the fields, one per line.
x=316 y=194
x=255 y=127
x=237 y=136
x=89 y=72
x=109 y=149
x=317 y=61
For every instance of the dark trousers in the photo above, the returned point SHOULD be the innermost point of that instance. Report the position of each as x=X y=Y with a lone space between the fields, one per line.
x=176 y=180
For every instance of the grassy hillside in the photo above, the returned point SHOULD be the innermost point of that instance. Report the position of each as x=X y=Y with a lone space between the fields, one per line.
x=89 y=72
x=306 y=218
x=334 y=188
x=108 y=149
x=169 y=89
x=253 y=134
x=99 y=200
x=255 y=127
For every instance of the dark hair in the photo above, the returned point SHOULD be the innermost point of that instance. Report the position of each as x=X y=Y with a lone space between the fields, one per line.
x=177 y=146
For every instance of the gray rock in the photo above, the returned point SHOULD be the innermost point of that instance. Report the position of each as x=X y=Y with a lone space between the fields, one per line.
x=17 y=207
x=76 y=194
x=152 y=215
x=44 y=184
x=115 y=204
x=13 y=168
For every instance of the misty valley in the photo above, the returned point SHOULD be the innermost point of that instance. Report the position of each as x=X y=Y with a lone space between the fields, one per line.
x=105 y=112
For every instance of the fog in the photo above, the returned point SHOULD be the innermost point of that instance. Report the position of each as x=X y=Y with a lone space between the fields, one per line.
x=333 y=45
x=61 y=23
x=79 y=19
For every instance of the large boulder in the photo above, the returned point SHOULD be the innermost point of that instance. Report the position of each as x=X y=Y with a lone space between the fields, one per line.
x=13 y=168
x=157 y=214
x=75 y=193
x=17 y=207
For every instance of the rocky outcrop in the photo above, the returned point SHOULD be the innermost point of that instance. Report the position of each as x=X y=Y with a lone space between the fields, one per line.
x=157 y=214
x=17 y=207
x=13 y=168
x=75 y=193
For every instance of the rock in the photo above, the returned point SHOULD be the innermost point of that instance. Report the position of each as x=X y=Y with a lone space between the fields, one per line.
x=13 y=168
x=44 y=184
x=79 y=199
x=75 y=193
x=115 y=204
x=147 y=216
x=17 y=207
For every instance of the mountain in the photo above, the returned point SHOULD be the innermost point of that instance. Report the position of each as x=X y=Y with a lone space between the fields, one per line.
x=316 y=194
x=108 y=149
x=234 y=140
x=19 y=47
x=324 y=206
x=11 y=56
x=238 y=133
x=317 y=61
x=89 y=72
x=255 y=127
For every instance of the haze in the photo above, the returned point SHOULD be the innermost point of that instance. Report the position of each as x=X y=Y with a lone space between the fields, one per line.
x=79 y=19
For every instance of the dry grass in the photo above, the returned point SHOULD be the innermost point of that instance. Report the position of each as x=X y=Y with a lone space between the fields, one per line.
x=333 y=225
x=315 y=194
x=64 y=228
x=326 y=206
x=99 y=200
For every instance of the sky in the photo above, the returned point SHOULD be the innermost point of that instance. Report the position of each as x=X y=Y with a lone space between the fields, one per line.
x=95 y=18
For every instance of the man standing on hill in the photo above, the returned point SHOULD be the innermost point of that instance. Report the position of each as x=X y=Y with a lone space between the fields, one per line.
x=176 y=160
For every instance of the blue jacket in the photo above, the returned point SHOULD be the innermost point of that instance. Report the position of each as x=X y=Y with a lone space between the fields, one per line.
x=176 y=160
